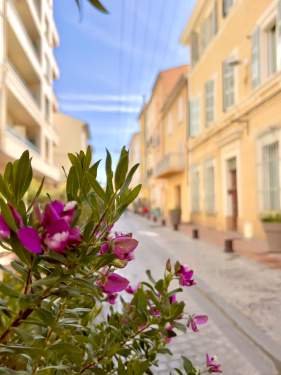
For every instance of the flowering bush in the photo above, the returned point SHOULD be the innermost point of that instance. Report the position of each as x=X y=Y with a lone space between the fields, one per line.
x=58 y=294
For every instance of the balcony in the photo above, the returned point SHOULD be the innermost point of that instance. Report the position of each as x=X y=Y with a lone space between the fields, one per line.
x=18 y=31
x=13 y=145
x=171 y=164
x=23 y=94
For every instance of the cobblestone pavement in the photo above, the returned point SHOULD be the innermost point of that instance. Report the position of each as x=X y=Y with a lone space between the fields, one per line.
x=230 y=290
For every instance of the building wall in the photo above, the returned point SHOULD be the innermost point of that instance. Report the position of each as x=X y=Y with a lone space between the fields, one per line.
x=28 y=68
x=174 y=130
x=73 y=137
x=235 y=132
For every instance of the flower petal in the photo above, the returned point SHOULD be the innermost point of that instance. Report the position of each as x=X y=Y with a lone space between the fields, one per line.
x=30 y=239
x=114 y=283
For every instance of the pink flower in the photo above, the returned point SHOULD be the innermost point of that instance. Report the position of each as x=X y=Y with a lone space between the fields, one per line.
x=57 y=210
x=154 y=311
x=185 y=276
x=16 y=216
x=196 y=320
x=114 y=283
x=173 y=299
x=30 y=240
x=59 y=235
x=104 y=248
x=111 y=298
x=132 y=290
x=123 y=246
x=212 y=366
x=5 y=232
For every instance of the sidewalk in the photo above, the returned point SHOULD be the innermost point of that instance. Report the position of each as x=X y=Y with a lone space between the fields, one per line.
x=254 y=249
x=251 y=248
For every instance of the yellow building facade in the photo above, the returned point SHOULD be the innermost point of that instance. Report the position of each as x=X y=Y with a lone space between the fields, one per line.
x=28 y=36
x=152 y=139
x=73 y=135
x=234 y=144
x=172 y=167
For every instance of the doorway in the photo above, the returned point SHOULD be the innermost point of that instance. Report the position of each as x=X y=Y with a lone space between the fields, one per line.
x=232 y=194
x=178 y=196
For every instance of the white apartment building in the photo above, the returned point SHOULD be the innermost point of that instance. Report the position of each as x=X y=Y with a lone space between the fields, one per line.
x=28 y=36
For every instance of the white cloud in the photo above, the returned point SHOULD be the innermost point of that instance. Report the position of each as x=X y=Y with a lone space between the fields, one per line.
x=73 y=97
x=84 y=107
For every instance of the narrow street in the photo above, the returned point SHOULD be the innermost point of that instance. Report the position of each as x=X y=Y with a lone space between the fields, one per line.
x=241 y=298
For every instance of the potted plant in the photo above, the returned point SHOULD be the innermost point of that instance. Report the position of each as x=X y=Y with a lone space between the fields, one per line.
x=272 y=227
x=175 y=217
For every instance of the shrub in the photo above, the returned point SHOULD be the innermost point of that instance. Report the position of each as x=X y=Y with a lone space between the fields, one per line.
x=57 y=296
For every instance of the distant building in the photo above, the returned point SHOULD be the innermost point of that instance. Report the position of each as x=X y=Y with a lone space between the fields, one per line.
x=234 y=108
x=152 y=138
x=135 y=156
x=172 y=167
x=73 y=137
x=27 y=70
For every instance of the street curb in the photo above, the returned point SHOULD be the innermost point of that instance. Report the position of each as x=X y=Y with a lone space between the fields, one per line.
x=265 y=343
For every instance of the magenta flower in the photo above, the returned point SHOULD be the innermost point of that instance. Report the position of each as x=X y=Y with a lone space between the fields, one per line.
x=111 y=298
x=154 y=311
x=104 y=248
x=169 y=333
x=30 y=240
x=212 y=366
x=5 y=232
x=59 y=235
x=132 y=290
x=196 y=320
x=57 y=210
x=185 y=276
x=16 y=216
x=173 y=298
x=114 y=283
x=123 y=246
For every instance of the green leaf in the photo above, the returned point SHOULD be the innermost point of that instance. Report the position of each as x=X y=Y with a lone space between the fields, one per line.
x=97 y=4
x=6 y=212
x=121 y=169
x=36 y=196
x=96 y=186
x=109 y=174
x=188 y=367
x=129 y=178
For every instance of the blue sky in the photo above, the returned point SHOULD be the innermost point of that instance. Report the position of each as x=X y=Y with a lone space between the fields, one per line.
x=108 y=63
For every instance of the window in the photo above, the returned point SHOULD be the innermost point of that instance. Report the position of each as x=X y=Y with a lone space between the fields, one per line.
x=227 y=5
x=169 y=124
x=194 y=47
x=180 y=109
x=209 y=187
x=194 y=117
x=228 y=85
x=47 y=110
x=195 y=190
x=271 y=176
x=272 y=50
x=256 y=58
x=209 y=102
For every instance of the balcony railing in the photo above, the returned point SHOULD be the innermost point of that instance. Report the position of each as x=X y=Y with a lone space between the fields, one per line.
x=34 y=48
x=172 y=163
x=22 y=83
x=30 y=145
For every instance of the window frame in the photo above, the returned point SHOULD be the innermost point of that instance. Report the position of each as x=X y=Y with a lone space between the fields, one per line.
x=209 y=96
x=195 y=190
x=267 y=138
x=210 y=196
x=226 y=104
